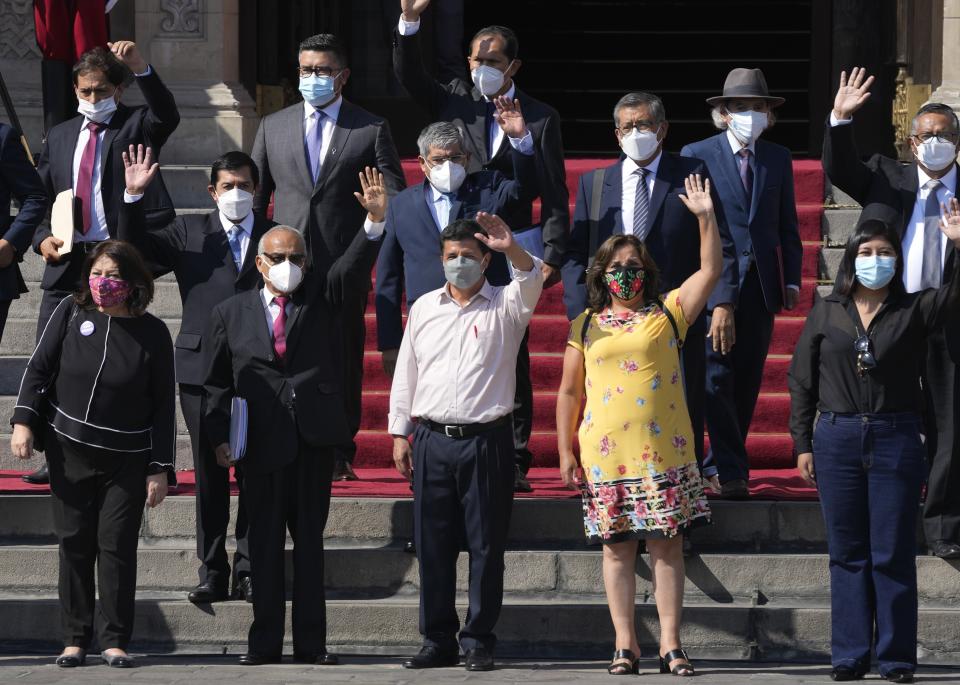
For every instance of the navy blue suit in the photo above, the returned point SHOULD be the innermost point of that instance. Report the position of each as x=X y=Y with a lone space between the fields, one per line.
x=767 y=238
x=674 y=243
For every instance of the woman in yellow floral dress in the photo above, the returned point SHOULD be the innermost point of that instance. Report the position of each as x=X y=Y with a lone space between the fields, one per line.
x=639 y=475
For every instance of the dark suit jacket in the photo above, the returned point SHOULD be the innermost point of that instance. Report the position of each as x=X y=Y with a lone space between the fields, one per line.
x=195 y=248
x=881 y=182
x=673 y=240
x=410 y=257
x=18 y=179
x=327 y=211
x=459 y=102
x=300 y=398
x=766 y=227
x=150 y=125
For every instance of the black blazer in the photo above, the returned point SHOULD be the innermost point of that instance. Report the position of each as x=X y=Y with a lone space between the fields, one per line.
x=149 y=124
x=327 y=211
x=877 y=184
x=18 y=179
x=301 y=397
x=459 y=102
x=195 y=248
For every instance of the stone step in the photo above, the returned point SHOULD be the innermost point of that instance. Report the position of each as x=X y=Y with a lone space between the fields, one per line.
x=830 y=258
x=839 y=224
x=738 y=527
x=834 y=197
x=32 y=270
x=363 y=572
x=530 y=628
x=166 y=303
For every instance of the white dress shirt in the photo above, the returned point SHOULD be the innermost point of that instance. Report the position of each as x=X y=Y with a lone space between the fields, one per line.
x=271 y=308
x=246 y=230
x=332 y=112
x=98 y=220
x=457 y=365
x=628 y=195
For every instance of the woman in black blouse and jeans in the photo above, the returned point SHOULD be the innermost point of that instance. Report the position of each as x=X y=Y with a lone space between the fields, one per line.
x=98 y=394
x=858 y=363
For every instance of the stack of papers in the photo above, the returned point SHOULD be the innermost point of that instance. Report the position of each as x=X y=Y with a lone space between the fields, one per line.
x=238 y=428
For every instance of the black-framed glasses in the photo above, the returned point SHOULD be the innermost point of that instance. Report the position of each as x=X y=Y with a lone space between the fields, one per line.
x=296 y=258
x=866 y=361
x=318 y=71
x=943 y=135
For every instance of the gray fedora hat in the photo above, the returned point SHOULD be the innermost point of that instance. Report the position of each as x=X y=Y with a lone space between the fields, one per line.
x=745 y=83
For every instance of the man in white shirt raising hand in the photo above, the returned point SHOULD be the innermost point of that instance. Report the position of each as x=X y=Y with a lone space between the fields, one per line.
x=453 y=390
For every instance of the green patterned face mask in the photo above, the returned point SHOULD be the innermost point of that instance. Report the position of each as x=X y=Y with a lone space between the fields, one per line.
x=625 y=282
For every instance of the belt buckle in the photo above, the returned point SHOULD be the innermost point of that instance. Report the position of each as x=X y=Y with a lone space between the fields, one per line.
x=457 y=434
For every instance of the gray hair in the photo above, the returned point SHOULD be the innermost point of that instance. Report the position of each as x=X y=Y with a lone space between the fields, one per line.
x=652 y=102
x=717 y=115
x=261 y=245
x=440 y=134
x=935 y=108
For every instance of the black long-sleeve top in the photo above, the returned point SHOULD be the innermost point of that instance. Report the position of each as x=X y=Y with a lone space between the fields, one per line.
x=113 y=388
x=823 y=375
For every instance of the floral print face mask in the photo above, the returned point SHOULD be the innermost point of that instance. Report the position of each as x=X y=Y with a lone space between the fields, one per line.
x=108 y=292
x=625 y=282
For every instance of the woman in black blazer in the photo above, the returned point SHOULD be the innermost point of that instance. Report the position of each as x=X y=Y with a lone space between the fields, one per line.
x=98 y=395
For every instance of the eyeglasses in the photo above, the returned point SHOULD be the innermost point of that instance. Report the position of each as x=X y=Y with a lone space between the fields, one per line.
x=865 y=359
x=318 y=71
x=296 y=258
x=641 y=125
x=437 y=161
x=949 y=137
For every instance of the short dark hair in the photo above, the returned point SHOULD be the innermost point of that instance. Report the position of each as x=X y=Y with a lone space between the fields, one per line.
x=326 y=42
x=511 y=46
x=598 y=296
x=638 y=99
x=233 y=161
x=463 y=229
x=132 y=269
x=101 y=59
x=867 y=230
x=935 y=108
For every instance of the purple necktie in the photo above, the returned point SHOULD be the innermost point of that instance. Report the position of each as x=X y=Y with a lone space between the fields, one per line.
x=746 y=173
x=280 y=327
x=315 y=144
x=84 y=190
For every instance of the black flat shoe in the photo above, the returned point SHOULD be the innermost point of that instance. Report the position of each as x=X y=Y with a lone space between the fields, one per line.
x=71 y=660
x=684 y=669
x=323 y=658
x=205 y=593
x=410 y=547
x=243 y=589
x=117 y=660
x=899 y=675
x=432 y=657
x=39 y=477
x=945 y=549
x=624 y=662
x=520 y=482
x=478 y=659
x=250 y=659
x=844 y=673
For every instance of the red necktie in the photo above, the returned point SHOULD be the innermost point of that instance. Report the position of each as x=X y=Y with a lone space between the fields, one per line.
x=84 y=190
x=279 y=327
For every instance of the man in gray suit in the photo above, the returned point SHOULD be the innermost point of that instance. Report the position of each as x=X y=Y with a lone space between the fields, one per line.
x=310 y=155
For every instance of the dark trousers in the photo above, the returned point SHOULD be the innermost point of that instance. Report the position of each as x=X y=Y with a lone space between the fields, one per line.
x=48 y=303
x=523 y=407
x=294 y=498
x=98 y=498
x=354 y=337
x=941 y=512
x=213 y=501
x=869 y=473
x=462 y=493
x=4 y=310
x=734 y=379
x=694 y=381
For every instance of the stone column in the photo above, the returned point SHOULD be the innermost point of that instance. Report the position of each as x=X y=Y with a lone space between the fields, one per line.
x=20 y=66
x=949 y=90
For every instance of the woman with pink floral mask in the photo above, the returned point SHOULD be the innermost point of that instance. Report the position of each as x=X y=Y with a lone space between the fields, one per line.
x=98 y=397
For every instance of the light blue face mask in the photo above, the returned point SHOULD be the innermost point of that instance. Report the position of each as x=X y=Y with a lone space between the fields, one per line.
x=318 y=90
x=875 y=272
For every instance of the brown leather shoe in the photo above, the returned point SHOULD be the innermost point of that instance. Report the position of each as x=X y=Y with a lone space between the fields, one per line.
x=342 y=470
x=735 y=489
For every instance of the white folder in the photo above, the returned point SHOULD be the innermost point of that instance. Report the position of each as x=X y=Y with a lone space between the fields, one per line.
x=238 y=428
x=62 y=220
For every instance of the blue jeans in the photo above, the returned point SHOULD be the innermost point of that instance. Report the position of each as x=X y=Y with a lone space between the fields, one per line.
x=870 y=468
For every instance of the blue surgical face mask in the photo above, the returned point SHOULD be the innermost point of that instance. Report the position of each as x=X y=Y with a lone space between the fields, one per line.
x=463 y=272
x=318 y=90
x=875 y=272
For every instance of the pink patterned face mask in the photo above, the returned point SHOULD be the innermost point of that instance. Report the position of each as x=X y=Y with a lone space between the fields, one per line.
x=109 y=292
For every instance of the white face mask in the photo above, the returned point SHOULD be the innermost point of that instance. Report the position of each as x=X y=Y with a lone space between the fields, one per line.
x=936 y=154
x=488 y=80
x=235 y=204
x=639 y=145
x=98 y=111
x=747 y=126
x=447 y=177
x=285 y=276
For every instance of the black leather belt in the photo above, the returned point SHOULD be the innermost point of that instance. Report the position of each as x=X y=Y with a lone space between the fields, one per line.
x=86 y=246
x=466 y=430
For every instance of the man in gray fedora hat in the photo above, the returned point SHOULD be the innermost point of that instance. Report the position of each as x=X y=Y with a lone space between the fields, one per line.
x=754 y=184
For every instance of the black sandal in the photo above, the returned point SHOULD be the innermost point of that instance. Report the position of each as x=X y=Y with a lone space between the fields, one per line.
x=71 y=660
x=684 y=670
x=617 y=667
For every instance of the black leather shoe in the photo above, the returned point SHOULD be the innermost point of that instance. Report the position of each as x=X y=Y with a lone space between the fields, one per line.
x=117 y=660
x=945 y=549
x=39 y=477
x=243 y=589
x=250 y=659
x=520 y=482
x=342 y=470
x=71 y=660
x=432 y=657
x=844 y=673
x=735 y=489
x=410 y=547
x=478 y=659
x=323 y=658
x=899 y=675
x=205 y=593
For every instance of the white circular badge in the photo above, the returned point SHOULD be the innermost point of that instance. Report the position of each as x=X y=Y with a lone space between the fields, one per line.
x=86 y=328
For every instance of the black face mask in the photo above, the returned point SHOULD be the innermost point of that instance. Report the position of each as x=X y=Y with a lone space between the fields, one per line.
x=625 y=282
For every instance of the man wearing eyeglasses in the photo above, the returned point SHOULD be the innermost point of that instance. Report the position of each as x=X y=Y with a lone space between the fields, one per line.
x=916 y=192
x=309 y=156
